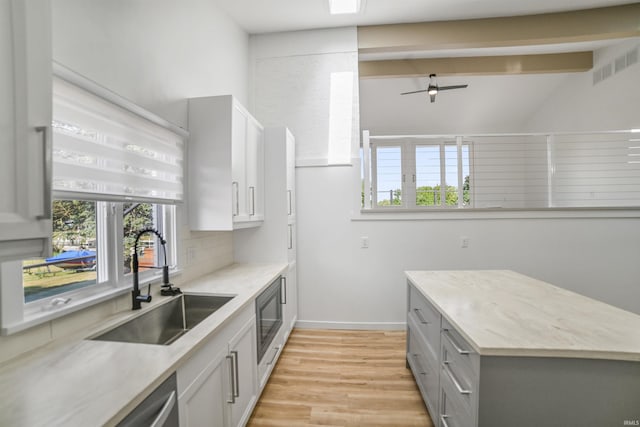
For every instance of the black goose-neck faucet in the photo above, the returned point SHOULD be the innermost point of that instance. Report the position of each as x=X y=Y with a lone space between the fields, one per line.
x=136 y=298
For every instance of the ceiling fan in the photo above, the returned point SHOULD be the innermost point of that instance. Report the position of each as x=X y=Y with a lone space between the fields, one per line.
x=433 y=88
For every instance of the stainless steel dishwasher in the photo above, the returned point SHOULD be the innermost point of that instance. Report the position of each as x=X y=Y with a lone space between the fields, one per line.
x=159 y=409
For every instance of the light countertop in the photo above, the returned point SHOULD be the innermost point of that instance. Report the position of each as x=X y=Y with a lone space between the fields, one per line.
x=92 y=383
x=503 y=313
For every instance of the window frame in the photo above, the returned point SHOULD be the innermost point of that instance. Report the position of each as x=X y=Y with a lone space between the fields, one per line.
x=374 y=175
x=17 y=315
x=408 y=169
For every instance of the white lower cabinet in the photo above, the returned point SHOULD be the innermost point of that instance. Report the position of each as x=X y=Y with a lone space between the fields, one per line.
x=242 y=356
x=203 y=402
x=266 y=365
x=290 y=299
x=217 y=386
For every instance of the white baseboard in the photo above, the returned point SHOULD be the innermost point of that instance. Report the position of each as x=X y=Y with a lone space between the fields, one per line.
x=368 y=326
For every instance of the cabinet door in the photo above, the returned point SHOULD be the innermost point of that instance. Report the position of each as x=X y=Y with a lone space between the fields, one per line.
x=291 y=175
x=290 y=297
x=238 y=163
x=203 y=402
x=242 y=349
x=291 y=241
x=255 y=169
x=25 y=124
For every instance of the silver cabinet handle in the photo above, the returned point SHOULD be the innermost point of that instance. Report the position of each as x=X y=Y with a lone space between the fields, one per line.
x=46 y=174
x=419 y=364
x=455 y=380
x=232 y=380
x=290 y=237
x=234 y=186
x=165 y=411
x=283 y=289
x=443 y=419
x=236 y=373
x=252 y=190
x=289 y=205
x=420 y=316
x=275 y=353
x=453 y=343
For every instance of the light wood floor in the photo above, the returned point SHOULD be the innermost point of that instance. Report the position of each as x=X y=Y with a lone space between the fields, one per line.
x=341 y=378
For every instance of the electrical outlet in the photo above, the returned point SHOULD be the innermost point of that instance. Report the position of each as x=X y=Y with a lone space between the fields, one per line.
x=364 y=242
x=464 y=242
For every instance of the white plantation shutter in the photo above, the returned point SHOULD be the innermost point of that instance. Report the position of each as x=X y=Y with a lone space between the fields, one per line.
x=104 y=151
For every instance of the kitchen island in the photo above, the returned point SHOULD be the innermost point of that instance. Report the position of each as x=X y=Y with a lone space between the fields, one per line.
x=496 y=348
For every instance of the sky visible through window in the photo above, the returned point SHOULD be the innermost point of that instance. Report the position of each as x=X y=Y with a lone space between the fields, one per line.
x=427 y=157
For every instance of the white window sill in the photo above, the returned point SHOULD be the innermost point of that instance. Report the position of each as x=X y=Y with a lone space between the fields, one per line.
x=48 y=313
x=38 y=314
x=430 y=214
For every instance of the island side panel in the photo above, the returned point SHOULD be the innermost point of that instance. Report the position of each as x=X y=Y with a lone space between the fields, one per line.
x=558 y=392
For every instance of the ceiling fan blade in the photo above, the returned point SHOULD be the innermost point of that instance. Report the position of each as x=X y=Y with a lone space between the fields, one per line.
x=433 y=97
x=415 y=91
x=452 y=87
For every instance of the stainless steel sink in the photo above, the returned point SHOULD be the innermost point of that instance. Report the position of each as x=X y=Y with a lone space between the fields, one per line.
x=165 y=323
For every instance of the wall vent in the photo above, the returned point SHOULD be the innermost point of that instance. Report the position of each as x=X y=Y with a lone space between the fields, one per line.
x=620 y=63
x=597 y=76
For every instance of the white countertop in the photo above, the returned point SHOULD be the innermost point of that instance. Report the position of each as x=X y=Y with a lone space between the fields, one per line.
x=503 y=313
x=93 y=383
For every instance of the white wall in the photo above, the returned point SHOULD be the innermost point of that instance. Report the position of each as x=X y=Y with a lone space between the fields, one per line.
x=579 y=105
x=342 y=285
x=156 y=54
x=308 y=81
x=491 y=104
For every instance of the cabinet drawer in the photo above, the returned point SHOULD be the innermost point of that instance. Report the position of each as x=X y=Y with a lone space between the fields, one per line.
x=270 y=358
x=460 y=351
x=460 y=364
x=427 y=319
x=425 y=370
x=453 y=412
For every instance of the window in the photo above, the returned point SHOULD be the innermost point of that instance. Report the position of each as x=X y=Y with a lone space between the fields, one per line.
x=117 y=169
x=74 y=261
x=80 y=245
x=388 y=161
x=504 y=171
x=423 y=174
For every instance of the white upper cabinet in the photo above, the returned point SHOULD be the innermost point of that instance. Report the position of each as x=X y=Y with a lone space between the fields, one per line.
x=226 y=165
x=291 y=175
x=254 y=171
x=275 y=241
x=25 y=128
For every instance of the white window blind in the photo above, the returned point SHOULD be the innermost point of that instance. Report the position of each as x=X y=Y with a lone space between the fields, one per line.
x=103 y=150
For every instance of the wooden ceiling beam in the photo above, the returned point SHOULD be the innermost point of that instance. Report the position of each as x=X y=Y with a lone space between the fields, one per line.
x=552 y=28
x=478 y=65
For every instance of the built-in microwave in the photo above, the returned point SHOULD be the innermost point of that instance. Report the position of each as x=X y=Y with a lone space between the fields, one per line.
x=268 y=315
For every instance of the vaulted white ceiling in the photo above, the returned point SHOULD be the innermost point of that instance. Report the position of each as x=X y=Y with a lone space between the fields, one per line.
x=262 y=16
x=490 y=104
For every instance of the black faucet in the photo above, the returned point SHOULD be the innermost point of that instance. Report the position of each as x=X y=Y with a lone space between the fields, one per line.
x=167 y=288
